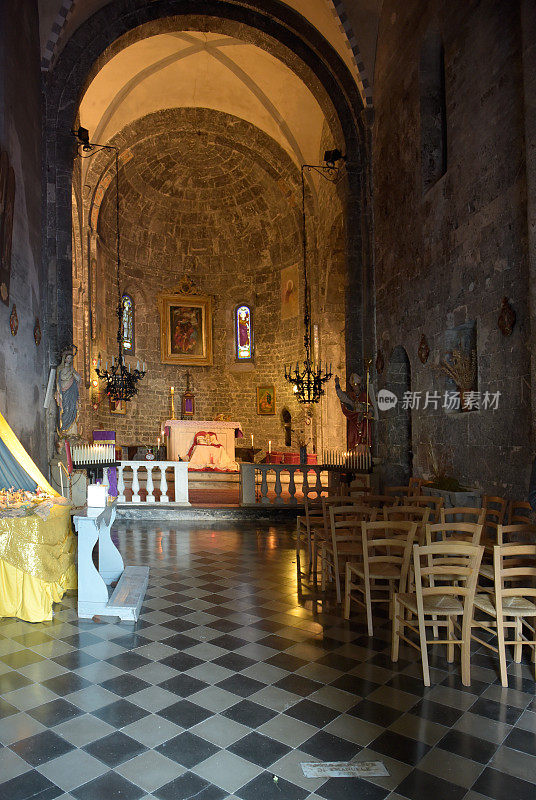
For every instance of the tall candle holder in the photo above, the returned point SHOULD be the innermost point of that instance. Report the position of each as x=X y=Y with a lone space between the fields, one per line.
x=172 y=402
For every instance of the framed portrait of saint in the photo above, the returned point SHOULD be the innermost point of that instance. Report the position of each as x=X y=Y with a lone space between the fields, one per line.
x=118 y=407
x=186 y=329
x=265 y=400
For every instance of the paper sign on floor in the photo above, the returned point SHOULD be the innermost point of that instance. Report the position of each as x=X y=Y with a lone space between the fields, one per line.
x=342 y=769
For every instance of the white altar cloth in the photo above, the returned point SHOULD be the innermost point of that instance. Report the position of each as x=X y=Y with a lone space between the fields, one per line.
x=182 y=432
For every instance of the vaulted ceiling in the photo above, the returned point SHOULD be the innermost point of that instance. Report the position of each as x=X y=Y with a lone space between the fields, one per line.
x=204 y=70
x=350 y=26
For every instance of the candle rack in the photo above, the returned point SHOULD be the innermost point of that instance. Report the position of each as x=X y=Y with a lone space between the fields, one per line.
x=94 y=458
x=347 y=460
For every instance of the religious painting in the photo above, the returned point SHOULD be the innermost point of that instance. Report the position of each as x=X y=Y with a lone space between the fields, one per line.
x=290 y=303
x=265 y=400
x=127 y=324
x=244 y=333
x=118 y=407
x=7 y=206
x=186 y=329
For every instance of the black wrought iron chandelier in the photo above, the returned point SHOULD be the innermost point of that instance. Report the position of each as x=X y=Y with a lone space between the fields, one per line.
x=121 y=381
x=309 y=378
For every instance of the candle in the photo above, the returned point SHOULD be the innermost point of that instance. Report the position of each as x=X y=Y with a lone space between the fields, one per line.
x=69 y=458
x=252 y=440
x=158 y=441
x=269 y=445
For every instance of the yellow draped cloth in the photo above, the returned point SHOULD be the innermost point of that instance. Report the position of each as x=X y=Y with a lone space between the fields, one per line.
x=37 y=563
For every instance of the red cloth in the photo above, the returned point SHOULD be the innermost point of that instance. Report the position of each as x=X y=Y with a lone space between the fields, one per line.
x=196 y=443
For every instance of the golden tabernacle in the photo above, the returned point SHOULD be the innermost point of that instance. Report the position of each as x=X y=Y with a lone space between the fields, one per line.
x=37 y=546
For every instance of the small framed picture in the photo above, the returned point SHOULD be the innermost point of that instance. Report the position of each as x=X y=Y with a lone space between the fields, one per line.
x=265 y=400
x=118 y=407
x=187 y=404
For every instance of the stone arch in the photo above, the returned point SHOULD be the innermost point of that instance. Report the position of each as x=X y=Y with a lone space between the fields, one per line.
x=264 y=22
x=65 y=11
x=395 y=425
x=339 y=7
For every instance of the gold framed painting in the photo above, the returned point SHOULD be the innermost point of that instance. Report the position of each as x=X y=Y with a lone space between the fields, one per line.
x=118 y=407
x=265 y=400
x=186 y=329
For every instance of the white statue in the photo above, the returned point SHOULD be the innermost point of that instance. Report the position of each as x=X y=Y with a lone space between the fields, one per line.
x=67 y=394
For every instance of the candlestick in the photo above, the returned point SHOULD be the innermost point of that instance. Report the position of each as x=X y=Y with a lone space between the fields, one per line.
x=269 y=446
x=252 y=440
x=172 y=402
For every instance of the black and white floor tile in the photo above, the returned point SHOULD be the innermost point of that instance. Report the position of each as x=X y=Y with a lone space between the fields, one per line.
x=232 y=678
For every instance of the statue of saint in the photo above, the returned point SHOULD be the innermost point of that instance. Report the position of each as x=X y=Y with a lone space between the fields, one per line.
x=357 y=411
x=67 y=393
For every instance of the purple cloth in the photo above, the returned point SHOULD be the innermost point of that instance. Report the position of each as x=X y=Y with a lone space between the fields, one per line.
x=104 y=436
x=112 y=481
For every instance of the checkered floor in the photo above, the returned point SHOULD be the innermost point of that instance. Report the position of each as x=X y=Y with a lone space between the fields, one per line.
x=231 y=679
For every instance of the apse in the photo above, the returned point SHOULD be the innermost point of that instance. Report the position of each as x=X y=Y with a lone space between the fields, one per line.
x=211 y=133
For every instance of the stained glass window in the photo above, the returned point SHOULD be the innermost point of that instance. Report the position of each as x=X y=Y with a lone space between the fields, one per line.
x=244 y=333
x=127 y=324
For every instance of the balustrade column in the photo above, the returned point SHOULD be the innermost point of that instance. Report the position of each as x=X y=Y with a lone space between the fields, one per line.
x=135 y=484
x=150 y=487
x=318 y=486
x=163 y=484
x=278 y=488
x=305 y=484
x=120 y=485
x=292 y=486
x=264 y=486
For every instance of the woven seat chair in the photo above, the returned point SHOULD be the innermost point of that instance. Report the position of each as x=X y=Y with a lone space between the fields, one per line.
x=446 y=574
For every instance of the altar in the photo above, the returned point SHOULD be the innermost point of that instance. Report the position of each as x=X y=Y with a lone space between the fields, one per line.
x=183 y=431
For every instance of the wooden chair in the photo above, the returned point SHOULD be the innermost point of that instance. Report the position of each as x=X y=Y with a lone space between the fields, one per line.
x=386 y=556
x=403 y=492
x=497 y=507
x=505 y=534
x=319 y=529
x=435 y=504
x=512 y=603
x=453 y=532
x=304 y=525
x=379 y=500
x=463 y=514
x=345 y=540
x=315 y=525
x=520 y=513
x=417 y=484
x=409 y=513
x=437 y=595
x=359 y=484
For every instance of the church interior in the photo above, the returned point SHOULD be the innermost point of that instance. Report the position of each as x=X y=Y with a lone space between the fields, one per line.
x=267 y=468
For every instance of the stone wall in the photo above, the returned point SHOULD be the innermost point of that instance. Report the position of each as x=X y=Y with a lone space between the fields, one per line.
x=206 y=195
x=448 y=256
x=22 y=363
